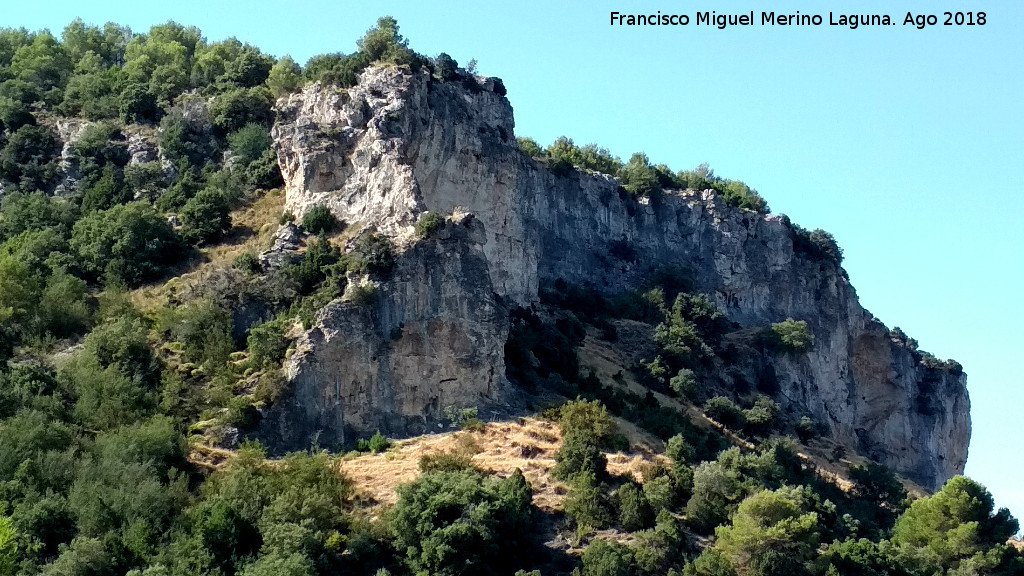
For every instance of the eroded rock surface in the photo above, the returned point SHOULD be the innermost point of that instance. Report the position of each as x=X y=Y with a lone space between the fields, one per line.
x=400 y=143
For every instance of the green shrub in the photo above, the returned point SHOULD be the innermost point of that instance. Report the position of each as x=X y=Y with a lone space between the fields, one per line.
x=241 y=413
x=268 y=343
x=724 y=411
x=953 y=528
x=603 y=558
x=660 y=493
x=464 y=418
x=457 y=523
x=384 y=43
x=182 y=139
x=28 y=159
x=634 y=510
x=563 y=154
x=265 y=172
x=378 y=443
x=792 y=335
x=638 y=177
x=145 y=179
x=135 y=104
x=270 y=387
x=205 y=217
x=250 y=142
x=530 y=147
x=740 y=195
x=318 y=264
x=806 y=429
x=204 y=327
x=361 y=293
x=684 y=383
x=817 y=245
x=428 y=223
x=235 y=108
x=772 y=532
x=763 y=418
x=284 y=78
x=129 y=243
x=248 y=262
x=371 y=254
x=586 y=502
x=445 y=67
x=586 y=419
x=716 y=491
x=319 y=220
x=446 y=462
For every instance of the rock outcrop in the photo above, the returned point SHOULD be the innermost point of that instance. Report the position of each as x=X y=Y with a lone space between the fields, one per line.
x=400 y=143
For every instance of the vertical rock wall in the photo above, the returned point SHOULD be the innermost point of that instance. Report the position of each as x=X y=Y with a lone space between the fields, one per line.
x=400 y=143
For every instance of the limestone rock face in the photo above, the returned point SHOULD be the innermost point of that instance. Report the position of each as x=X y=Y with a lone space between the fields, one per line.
x=400 y=143
x=430 y=337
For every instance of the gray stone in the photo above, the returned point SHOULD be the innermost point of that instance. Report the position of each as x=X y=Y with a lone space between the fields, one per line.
x=399 y=143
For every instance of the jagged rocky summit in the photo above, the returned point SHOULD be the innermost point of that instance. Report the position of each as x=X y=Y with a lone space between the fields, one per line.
x=400 y=143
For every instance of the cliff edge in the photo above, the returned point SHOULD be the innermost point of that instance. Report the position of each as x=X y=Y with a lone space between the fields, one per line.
x=401 y=143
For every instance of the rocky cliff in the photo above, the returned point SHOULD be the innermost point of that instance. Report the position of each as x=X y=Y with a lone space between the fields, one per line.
x=401 y=143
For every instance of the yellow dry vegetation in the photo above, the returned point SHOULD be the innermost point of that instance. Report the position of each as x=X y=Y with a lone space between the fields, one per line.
x=529 y=444
x=252 y=230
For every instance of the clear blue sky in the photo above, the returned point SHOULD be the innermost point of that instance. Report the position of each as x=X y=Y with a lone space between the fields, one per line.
x=906 y=144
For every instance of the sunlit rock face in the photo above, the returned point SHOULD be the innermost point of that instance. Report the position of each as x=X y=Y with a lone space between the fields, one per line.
x=400 y=143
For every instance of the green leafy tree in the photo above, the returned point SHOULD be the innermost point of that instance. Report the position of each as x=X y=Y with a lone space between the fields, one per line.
x=638 y=177
x=108 y=43
x=635 y=511
x=129 y=243
x=267 y=343
x=445 y=67
x=250 y=142
x=603 y=558
x=44 y=64
x=182 y=139
x=763 y=418
x=93 y=90
x=16 y=100
x=33 y=212
x=864 y=558
x=740 y=195
x=161 y=60
x=8 y=547
x=794 y=335
x=771 y=533
x=284 y=78
x=383 y=42
x=319 y=220
x=236 y=108
x=586 y=502
x=530 y=147
x=136 y=104
x=29 y=158
x=462 y=523
x=205 y=217
x=371 y=254
x=724 y=411
x=955 y=528
x=84 y=557
x=717 y=489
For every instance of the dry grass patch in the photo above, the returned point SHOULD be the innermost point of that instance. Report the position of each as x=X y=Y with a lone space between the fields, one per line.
x=252 y=228
x=529 y=444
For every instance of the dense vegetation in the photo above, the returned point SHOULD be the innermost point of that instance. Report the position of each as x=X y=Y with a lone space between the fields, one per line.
x=102 y=404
